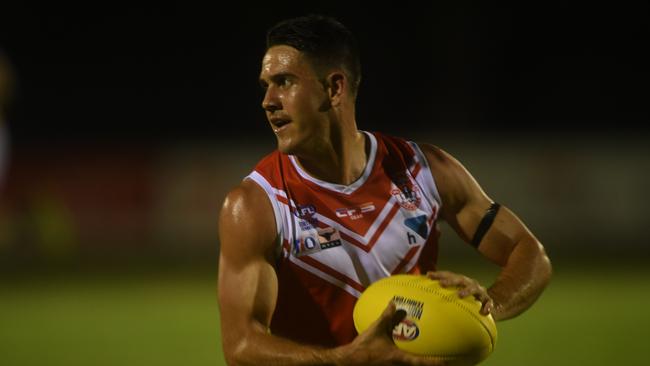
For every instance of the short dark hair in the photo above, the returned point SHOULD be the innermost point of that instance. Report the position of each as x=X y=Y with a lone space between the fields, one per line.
x=324 y=40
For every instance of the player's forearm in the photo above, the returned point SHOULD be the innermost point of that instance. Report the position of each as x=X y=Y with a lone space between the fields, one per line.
x=261 y=348
x=521 y=281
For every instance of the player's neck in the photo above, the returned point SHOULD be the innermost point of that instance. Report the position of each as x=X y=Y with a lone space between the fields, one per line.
x=341 y=160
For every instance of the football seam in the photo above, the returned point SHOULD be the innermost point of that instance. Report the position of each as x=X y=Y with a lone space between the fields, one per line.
x=444 y=357
x=452 y=300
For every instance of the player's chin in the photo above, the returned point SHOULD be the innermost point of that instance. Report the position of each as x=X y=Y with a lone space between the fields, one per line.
x=290 y=142
x=286 y=145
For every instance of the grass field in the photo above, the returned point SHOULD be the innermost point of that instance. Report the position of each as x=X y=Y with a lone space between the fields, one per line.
x=588 y=316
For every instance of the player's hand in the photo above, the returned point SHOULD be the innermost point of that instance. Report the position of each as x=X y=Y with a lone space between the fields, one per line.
x=466 y=287
x=375 y=346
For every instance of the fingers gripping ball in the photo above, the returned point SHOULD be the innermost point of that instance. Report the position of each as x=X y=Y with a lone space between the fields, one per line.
x=438 y=323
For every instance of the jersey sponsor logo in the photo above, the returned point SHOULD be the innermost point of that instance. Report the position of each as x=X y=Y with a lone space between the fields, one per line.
x=406 y=330
x=355 y=213
x=305 y=245
x=305 y=225
x=316 y=240
x=329 y=237
x=411 y=238
x=418 y=224
x=305 y=214
x=408 y=196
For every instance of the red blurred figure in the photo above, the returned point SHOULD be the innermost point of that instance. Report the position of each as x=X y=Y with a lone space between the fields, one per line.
x=6 y=88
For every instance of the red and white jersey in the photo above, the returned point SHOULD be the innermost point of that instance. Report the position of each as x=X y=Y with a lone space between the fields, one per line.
x=335 y=240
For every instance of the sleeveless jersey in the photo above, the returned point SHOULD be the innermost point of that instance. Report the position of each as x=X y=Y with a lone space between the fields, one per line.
x=335 y=240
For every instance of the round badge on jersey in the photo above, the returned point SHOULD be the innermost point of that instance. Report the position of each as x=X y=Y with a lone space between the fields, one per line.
x=407 y=197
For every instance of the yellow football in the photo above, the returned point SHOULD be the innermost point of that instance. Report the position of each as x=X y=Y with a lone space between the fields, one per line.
x=438 y=323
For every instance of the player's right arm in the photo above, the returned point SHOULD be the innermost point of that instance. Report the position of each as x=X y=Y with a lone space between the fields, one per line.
x=248 y=289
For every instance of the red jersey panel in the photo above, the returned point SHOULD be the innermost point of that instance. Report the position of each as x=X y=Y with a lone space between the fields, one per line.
x=335 y=240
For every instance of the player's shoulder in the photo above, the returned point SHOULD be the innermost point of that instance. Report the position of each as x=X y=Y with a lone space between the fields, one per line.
x=247 y=205
x=247 y=221
x=437 y=157
x=450 y=175
x=455 y=183
x=244 y=198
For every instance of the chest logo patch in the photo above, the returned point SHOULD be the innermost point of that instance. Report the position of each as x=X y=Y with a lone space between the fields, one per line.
x=316 y=240
x=407 y=197
x=355 y=213
x=418 y=224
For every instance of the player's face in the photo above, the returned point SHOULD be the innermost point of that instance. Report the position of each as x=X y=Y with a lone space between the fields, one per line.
x=294 y=99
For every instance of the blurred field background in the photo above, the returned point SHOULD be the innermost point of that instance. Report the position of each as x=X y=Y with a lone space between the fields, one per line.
x=587 y=317
x=124 y=129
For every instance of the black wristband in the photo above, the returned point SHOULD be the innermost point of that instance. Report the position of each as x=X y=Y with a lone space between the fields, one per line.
x=485 y=224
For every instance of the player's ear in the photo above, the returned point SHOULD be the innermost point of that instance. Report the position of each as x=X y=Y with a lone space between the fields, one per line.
x=336 y=83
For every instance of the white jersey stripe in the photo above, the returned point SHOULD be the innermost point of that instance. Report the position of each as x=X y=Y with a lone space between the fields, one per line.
x=429 y=182
x=365 y=239
x=270 y=192
x=322 y=275
x=345 y=189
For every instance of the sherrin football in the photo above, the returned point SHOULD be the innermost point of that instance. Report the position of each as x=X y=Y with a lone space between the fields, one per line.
x=438 y=323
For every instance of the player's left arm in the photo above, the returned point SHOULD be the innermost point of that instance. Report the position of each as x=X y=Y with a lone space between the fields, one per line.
x=525 y=267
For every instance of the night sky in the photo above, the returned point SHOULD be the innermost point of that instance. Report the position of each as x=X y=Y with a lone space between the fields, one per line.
x=467 y=69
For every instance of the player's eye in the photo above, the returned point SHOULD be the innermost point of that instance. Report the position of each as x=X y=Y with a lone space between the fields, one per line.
x=283 y=81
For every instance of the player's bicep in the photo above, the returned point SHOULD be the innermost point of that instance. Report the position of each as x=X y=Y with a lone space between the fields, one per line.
x=506 y=232
x=463 y=200
x=465 y=205
x=247 y=282
x=247 y=294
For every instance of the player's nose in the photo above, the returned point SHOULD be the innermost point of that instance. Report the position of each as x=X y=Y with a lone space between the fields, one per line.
x=271 y=101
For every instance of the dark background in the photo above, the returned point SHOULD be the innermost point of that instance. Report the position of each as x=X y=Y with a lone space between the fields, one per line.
x=169 y=72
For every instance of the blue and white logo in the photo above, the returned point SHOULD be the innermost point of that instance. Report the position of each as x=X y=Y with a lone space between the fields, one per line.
x=418 y=224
